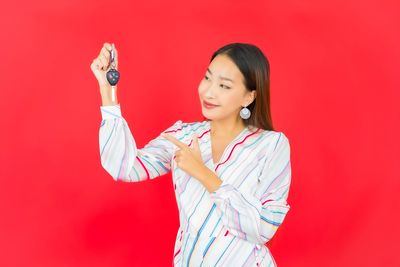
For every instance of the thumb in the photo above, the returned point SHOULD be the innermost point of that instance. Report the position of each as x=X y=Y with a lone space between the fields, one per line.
x=196 y=147
x=196 y=143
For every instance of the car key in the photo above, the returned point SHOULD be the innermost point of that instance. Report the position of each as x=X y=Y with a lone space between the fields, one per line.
x=113 y=74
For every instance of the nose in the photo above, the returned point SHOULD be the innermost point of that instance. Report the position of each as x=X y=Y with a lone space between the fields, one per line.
x=210 y=91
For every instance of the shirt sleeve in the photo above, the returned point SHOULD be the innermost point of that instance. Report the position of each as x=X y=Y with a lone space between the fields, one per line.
x=252 y=218
x=120 y=156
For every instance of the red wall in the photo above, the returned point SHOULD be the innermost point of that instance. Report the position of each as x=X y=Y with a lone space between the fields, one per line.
x=335 y=94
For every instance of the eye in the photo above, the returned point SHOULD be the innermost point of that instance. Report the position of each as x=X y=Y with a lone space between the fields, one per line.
x=227 y=87
x=205 y=77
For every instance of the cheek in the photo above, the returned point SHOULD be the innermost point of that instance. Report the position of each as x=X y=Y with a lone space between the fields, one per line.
x=201 y=88
x=231 y=99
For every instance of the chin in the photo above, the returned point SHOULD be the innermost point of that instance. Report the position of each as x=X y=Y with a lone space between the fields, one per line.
x=210 y=116
x=207 y=115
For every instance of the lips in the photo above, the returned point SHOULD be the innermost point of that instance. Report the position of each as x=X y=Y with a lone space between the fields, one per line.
x=209 y=104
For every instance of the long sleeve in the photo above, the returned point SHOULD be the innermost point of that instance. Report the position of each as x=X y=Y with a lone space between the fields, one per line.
x=120 y=156
x=257 y=217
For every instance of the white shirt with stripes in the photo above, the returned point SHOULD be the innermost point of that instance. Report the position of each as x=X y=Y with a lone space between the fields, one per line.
x=228 y=227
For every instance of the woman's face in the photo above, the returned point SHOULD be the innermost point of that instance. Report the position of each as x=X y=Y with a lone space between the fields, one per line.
x=223 y=86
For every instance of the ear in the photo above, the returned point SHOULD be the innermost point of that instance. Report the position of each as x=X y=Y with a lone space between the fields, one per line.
x=250 y=98
x=253 y=95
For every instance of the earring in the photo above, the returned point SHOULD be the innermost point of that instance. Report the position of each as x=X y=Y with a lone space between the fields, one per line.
x=245 y=113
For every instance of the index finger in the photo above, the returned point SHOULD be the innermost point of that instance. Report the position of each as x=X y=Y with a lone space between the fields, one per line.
x=108 y=46
x=174 y=140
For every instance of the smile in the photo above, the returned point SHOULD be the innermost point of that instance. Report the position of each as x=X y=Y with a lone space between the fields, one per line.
x=208 y=105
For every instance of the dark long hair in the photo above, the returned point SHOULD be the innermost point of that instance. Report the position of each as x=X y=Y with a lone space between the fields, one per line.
x=254 y=66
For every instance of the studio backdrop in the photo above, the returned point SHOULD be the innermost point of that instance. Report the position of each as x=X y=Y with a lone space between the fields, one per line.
x=334 y=93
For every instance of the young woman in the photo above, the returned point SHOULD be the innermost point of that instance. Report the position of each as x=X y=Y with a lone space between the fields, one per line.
x=231 y=172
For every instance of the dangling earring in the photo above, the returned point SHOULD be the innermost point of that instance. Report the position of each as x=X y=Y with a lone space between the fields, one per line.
x=245 y=113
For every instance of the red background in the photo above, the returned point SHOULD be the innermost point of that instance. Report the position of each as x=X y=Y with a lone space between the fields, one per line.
x=335 y=94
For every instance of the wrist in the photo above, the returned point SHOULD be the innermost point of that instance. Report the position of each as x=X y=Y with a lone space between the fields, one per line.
x=104 y=87
x=106 y=92
x=209 y=179
x=203 y=173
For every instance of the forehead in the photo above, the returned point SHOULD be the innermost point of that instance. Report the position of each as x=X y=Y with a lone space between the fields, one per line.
x=222 y=65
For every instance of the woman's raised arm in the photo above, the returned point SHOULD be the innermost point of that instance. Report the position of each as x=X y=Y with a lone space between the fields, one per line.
x=120 y=156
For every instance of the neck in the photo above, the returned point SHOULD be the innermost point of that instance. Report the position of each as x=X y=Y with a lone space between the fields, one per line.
x=227 y=127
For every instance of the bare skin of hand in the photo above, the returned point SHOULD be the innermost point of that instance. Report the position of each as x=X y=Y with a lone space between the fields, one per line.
x=190 y=161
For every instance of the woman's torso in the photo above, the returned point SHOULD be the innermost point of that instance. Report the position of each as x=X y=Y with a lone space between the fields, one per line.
x=202 y=237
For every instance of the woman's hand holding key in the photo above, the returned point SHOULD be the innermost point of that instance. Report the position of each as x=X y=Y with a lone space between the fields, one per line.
x=99 y=67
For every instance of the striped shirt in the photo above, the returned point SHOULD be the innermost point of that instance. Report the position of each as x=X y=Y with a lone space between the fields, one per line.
x=227 y=227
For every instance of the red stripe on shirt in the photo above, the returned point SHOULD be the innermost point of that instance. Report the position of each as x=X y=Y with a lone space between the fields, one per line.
x=148 y=175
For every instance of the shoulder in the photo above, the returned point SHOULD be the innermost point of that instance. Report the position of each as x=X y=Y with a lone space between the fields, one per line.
x=274 y=141
x=279 y=139
x=270 y=135
x=275 y=153
x=280 y=149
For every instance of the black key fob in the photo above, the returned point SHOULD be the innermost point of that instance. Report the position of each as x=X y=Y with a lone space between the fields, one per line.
x=112 y=75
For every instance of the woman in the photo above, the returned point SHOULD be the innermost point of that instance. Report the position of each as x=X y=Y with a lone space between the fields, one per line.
x=231 y=172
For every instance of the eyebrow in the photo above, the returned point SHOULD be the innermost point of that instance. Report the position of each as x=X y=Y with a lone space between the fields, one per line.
x=223 y=78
